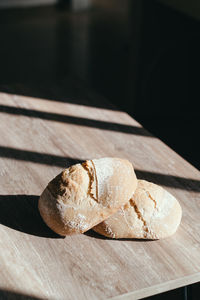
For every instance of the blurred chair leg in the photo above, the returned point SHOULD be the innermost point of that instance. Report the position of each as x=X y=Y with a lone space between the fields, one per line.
x=77 y=5
x=74 y=5
x=185 y=291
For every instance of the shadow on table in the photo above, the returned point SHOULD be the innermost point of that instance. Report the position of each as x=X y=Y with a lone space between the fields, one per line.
x=38 y=157
x=80 y=121
x=20 y=212
x=10 y=295
x=167 y=180
x=70 y=90
x=96 y=235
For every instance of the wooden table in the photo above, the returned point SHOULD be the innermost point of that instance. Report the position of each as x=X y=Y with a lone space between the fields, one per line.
x=40 y=137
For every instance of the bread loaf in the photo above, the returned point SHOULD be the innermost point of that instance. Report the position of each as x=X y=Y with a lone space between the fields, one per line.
x=86 y=194
x=151 y=213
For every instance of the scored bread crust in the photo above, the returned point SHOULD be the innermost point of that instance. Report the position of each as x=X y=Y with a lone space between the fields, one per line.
x=84 y=195
x=151 y=213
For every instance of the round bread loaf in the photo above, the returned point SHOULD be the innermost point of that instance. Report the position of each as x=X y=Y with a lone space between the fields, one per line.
x=86 y=194
x=151 y=213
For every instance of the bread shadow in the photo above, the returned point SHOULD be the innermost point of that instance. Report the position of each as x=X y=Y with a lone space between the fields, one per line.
x=20 y=212
x=91 y=233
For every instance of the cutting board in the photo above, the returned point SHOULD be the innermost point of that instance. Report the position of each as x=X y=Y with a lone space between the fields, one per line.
x=40 y=137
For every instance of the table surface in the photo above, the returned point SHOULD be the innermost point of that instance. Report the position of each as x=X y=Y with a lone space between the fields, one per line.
x=40 y=137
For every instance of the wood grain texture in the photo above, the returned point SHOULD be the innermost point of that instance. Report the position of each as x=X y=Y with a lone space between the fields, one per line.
x=39 y=138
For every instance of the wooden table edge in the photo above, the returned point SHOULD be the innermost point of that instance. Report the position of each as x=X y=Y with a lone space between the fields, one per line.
x=160 y=288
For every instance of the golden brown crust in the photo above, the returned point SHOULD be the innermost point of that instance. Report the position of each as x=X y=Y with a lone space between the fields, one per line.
x=86 y=194
x=151 y=213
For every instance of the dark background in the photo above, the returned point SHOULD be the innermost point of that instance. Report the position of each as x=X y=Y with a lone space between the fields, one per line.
x=142 y=56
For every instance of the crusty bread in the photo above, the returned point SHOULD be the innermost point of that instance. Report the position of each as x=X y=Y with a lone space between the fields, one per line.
x=151 y=213
x=86 y=194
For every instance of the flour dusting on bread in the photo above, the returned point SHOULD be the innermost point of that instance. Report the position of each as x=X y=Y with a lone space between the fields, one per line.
x=84 y=195
x=151 y=213
x=104 y=171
